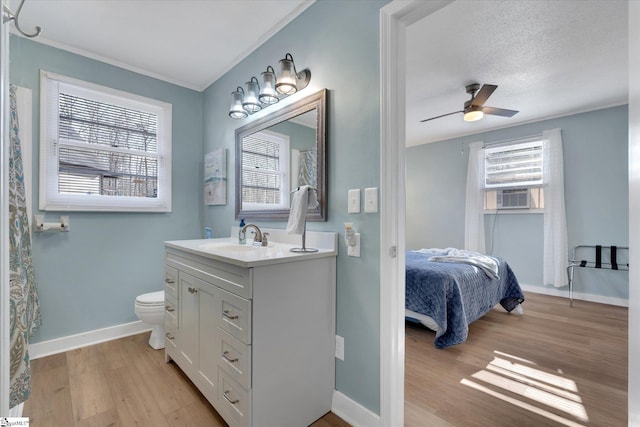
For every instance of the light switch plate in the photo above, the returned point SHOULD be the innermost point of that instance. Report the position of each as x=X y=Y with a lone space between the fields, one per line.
x=354 y=201
x=371 y=200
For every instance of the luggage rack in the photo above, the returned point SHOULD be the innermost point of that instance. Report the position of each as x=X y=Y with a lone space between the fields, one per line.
x=610 y=262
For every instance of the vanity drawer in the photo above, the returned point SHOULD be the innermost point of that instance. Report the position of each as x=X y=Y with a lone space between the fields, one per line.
x=235 y=401
x=225 y=276
x=235 y=359
x=170 y=281
x=235 y=316
x=170 y=311
x=170 y=335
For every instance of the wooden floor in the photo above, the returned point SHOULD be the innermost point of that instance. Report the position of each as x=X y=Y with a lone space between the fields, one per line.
x=552 y=366
x=120 y=383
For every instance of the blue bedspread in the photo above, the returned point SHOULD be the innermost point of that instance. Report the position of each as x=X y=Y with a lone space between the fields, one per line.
x=454 y=295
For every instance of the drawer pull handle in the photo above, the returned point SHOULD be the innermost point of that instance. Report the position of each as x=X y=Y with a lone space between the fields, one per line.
x=169 y=335
x=169 y=308
x=229 y=399
x=168 y=280
x=192 y=290
x=227 y=314
x=225 y=354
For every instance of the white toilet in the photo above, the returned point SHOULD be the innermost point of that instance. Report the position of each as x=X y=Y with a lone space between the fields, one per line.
x=150 y=309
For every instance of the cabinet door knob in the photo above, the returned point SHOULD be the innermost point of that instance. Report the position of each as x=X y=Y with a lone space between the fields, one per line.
x=169 y=335
x=227 y=314
x=225 y=354
x=229 y=399
x=169 y=308
x=192 y=290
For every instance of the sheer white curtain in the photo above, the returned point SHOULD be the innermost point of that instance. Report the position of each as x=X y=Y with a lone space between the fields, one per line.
x=556 y=251
x=474 y=216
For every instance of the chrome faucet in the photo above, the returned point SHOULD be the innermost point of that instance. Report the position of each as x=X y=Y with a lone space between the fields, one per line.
x=259 y=237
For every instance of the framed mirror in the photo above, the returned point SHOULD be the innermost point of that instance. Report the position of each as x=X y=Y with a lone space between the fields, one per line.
x=278 y=153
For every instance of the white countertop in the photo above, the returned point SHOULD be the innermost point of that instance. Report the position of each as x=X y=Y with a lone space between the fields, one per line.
x=229 y=251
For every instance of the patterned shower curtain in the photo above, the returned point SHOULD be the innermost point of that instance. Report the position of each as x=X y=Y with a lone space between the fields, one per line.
x=24 y=304
x=307 y=168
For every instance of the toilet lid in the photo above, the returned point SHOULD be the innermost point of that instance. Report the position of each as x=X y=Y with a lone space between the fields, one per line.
x=152 y=298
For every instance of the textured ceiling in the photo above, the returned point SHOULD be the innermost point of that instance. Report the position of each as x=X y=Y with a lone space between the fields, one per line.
x=548 y=58
x=187 y=42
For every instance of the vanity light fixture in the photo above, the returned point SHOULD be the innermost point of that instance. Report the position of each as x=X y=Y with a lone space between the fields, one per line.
x=268 y=94
x=250 y=102
x=236 y=111
x=289 y=79
x=274 y=88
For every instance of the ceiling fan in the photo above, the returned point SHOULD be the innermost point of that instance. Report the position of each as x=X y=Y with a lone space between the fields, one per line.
x=474 y=108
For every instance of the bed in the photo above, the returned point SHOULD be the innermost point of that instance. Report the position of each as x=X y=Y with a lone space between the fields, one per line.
x=448 y=294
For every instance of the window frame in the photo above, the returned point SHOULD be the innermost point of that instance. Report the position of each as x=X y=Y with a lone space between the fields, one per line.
x=536 y=188
x=283 y=143
x=50 y=199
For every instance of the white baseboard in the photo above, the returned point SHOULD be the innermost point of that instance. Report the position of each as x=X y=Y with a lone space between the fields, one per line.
x=16 y=411
x=546 y=290
x=352 y=412
x=84 y=339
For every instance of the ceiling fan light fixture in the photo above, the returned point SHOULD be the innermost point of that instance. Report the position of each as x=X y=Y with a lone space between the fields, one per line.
x=473 y=114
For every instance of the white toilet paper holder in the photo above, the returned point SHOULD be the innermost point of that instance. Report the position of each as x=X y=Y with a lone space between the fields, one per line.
x=40 y=226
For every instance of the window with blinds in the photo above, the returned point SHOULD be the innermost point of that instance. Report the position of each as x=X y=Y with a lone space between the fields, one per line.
x=103 y=149
x=265 y=182
x=513 y=165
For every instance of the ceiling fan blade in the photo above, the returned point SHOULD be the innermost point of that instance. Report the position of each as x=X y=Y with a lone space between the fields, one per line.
x=444 y=115
x=483 y=94
x=499 y=111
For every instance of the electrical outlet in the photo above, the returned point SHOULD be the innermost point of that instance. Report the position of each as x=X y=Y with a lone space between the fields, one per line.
x=355 y=249
x=339 y=347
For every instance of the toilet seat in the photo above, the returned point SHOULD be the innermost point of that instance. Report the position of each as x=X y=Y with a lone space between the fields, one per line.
x=151 y=299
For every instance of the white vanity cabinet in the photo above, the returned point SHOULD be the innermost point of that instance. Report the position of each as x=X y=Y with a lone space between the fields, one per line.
x=256 y=337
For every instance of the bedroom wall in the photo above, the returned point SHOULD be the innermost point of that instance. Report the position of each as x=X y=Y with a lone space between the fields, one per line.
x=89 y=277
x=596 y=197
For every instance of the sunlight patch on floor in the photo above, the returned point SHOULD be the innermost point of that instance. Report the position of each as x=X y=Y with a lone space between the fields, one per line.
x=519 y=376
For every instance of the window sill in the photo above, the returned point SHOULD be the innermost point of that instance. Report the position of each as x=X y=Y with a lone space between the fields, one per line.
x=512 y=211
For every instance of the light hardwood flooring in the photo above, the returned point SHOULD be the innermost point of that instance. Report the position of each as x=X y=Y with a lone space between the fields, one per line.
x=120 y=383
x=552 y=366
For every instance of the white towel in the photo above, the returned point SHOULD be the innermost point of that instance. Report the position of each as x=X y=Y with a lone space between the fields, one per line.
x=303 y=199
x=484 y=262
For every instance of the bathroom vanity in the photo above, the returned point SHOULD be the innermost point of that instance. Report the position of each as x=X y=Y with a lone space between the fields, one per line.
x=254 y=327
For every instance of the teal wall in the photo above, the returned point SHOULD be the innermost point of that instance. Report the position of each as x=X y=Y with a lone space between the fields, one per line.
x=89 y=277
x=339 y=42
x=300 y=137
x=596 y=197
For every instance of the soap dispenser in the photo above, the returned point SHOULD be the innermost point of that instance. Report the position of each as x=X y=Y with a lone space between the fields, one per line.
x=242 y=237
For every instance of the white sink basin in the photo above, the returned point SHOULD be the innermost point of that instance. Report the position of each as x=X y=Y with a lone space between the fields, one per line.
x=228 y=250
x=234 y=250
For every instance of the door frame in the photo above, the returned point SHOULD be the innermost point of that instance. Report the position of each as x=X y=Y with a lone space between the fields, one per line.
x=394 y=19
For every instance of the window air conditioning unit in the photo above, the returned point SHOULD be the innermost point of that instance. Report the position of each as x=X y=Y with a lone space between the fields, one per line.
x=513 y=198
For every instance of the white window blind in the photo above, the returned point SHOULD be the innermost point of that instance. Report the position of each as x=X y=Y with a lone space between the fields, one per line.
x=265 y=159
x=514 y=165
x=103 y=149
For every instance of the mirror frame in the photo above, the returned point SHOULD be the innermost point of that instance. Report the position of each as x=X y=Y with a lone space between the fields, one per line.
x=316 y=101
